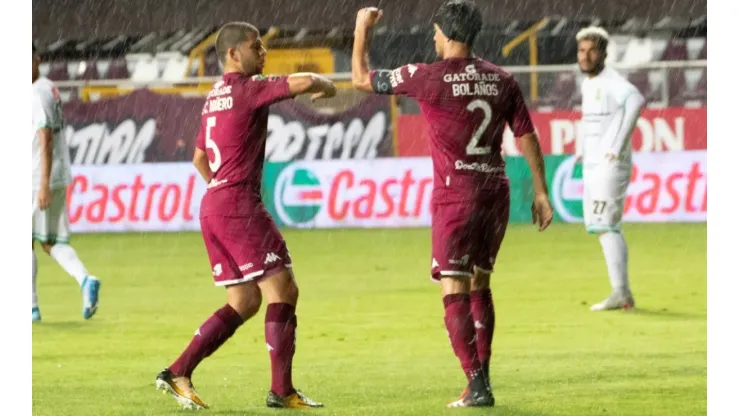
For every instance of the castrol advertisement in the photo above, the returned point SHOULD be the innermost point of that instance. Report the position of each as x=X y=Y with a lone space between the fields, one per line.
x=390 y=192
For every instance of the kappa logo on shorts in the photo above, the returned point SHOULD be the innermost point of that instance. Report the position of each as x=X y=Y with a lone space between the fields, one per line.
x=463 y=260
x=218 y=270
x=298 y=196
x=434 y=263
x=271 y=258
x=567 y=190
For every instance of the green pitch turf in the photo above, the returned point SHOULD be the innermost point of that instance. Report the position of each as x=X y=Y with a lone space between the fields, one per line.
x=371 y=339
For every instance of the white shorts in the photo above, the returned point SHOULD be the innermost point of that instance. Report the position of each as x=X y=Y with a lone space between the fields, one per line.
x=52 y=224
x=604 y=190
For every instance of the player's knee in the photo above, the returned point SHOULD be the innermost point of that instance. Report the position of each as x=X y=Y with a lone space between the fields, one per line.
x=245 y=299
x=481 y=280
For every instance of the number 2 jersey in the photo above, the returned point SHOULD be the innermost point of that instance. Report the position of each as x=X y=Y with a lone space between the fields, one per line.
x=466 y=103
x=233 y=133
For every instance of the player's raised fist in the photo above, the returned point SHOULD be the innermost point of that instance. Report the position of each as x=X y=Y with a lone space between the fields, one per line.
x=368 y=17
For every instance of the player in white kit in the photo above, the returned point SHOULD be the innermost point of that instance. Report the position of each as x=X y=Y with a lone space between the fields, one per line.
x=50 y=177
x=611 y=107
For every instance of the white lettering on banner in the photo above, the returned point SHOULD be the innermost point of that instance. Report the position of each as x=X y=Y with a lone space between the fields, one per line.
x=393 y=192
x=657 y=134
x=289 y=141
x=145 y=197
x=95 y=144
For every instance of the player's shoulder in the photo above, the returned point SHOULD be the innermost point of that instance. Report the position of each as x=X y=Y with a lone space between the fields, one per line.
x=43 y=85
x=46 y=89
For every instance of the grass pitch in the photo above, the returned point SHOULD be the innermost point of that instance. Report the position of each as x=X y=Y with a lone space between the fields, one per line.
x=371 y=340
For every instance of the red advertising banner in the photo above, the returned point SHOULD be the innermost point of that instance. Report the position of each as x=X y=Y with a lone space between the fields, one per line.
x=657 y=130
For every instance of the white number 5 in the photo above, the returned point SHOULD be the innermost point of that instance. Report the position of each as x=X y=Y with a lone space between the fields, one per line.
x=210 y=144
x=473 y=148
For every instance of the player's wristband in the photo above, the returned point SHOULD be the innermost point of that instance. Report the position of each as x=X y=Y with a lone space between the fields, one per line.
x=381 y=82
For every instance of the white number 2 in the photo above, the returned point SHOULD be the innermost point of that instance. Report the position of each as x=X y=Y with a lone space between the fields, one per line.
x=210 y=144
x=473 y=148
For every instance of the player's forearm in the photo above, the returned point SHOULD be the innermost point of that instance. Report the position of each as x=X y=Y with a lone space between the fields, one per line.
x=623 y=130
x=533 y=154
x=309 y=83
x=46 y=145
x=200 y=161
x=360 y=66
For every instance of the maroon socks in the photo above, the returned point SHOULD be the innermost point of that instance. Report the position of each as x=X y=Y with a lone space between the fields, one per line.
x=459 y=322
x=484 y=318
x=208 y=338
x=280 y=325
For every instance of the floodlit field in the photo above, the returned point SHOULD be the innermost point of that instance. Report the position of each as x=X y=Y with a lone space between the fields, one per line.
x=371 y=340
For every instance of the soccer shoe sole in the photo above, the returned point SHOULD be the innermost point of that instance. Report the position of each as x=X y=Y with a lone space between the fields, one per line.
x=624 y=306
x=463 y=403
x=294 y=401
x=184 y=402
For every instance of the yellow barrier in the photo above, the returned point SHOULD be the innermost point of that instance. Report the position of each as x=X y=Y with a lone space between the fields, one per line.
x=531 y=36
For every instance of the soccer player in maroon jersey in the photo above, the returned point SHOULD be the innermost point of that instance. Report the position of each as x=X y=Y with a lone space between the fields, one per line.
x=466 y=102
x=248 y=255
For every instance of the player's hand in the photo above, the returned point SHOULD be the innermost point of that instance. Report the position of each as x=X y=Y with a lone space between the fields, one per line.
x=331 y=92
x=611 y=157
x=368 y=17
x=44 y=197
x=579 y=158
x=542 y=211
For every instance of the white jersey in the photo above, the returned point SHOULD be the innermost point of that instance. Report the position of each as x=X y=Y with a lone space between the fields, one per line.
x=47 y=112
x=605 y=126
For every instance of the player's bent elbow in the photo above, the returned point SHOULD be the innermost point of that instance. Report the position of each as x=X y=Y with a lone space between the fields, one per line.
x=362 y=83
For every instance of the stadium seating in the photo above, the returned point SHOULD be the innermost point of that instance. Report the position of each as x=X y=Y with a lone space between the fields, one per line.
x=164 y=56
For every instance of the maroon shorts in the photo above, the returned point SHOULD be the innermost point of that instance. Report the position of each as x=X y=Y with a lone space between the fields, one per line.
x=243 y=249
x=469 y=234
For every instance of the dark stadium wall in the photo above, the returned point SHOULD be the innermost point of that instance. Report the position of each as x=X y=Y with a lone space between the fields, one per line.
x=57 y=19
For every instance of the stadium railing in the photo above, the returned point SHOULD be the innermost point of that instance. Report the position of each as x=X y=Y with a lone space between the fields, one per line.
x=663 y=83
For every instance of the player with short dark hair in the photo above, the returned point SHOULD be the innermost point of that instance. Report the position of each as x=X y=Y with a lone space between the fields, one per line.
x=247 y=252
x=467 y=102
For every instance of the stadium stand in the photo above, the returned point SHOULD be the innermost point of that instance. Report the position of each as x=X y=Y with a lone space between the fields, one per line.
x=148 y=53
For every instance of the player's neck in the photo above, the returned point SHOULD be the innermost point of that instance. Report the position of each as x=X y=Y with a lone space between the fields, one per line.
x=235 y=70
x=595 y=73
x=456 y=50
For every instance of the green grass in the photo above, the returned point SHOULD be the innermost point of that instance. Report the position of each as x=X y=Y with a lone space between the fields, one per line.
x=371 y=339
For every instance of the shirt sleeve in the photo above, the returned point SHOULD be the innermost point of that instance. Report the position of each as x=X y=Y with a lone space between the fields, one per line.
x=619 y=132
x=518 y=115
x=407 y=80
x=263 y=91
x=44 y=115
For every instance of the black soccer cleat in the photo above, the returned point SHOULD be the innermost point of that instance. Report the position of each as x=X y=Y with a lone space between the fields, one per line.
x=477 y=394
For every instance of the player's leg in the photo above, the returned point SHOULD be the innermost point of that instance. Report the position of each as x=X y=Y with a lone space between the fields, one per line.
x=280 y=290
x=453 y=268
x=607 y=193
x=489 y=238
x=35 y=312
x=52 y=231
x=243 y=301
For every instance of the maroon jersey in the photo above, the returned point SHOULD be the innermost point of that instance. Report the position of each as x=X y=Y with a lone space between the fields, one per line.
x=233 y=132
x=466 y=103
